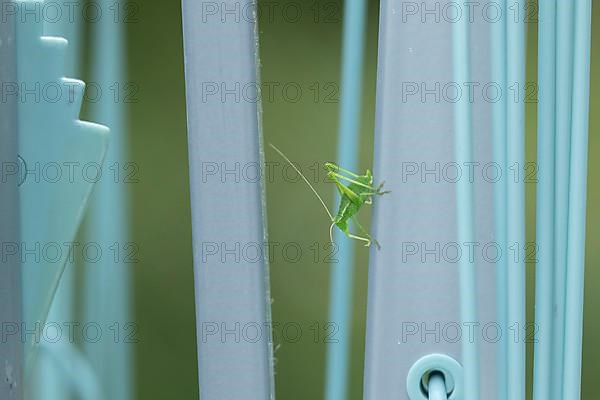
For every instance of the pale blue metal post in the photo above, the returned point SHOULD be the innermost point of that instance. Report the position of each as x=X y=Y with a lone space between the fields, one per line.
x=56 y=135
x=340 y=307
x=11 y=347
x=52 y=382
x=564 y=93
x=544 y=299
x=500 y=218
x=463 y=142
x=577 y=201
x=516 y=200
x=414 y=291
x=227 y=212
x=107 y=282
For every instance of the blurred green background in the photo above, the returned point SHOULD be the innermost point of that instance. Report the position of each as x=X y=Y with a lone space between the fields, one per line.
x=301 y=54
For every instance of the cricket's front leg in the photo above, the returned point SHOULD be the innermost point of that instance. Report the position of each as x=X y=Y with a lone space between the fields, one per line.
x=364 y=232
x=379 y=192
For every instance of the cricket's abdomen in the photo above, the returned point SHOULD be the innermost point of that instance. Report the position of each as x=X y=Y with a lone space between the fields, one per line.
x=341 y=219
x=342 y=226
x=346 y=211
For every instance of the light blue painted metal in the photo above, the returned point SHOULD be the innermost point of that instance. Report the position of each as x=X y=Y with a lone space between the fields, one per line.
x=54 y=384
x=107 y=282
x=11 y=347
x=564 y=94
x=65 y=364
x=463 y=147
x=515 y=158
x=230 y=291
x=437 y=387
x=544 y=283
x=498 y=42
x=577 y=201
x=450 y=371
x=69 y=27
x=52 y=204
x=340 y=306
x=66 y=361
x=414 y=290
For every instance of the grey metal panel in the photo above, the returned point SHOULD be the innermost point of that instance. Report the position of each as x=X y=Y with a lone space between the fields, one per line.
x=11 y=349
x=227 y=210
x=420 y=291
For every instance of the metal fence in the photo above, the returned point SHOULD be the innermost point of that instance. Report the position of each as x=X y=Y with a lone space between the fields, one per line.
x=446 y=311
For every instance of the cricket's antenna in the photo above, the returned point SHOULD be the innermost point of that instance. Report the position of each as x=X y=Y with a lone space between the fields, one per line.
x=304 y=178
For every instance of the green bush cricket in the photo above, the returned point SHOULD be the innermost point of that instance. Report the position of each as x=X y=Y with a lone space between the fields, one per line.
x=358 y=192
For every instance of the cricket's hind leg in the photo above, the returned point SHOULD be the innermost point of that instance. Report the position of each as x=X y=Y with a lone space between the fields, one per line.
x=364 y=232
x=367 y=239
x=346 y=231
x=363 y=239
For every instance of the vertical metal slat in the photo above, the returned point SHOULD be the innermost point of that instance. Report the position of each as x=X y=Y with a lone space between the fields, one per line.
x=227 y=213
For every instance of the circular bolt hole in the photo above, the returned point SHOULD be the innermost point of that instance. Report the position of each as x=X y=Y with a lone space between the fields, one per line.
x=417 y=381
